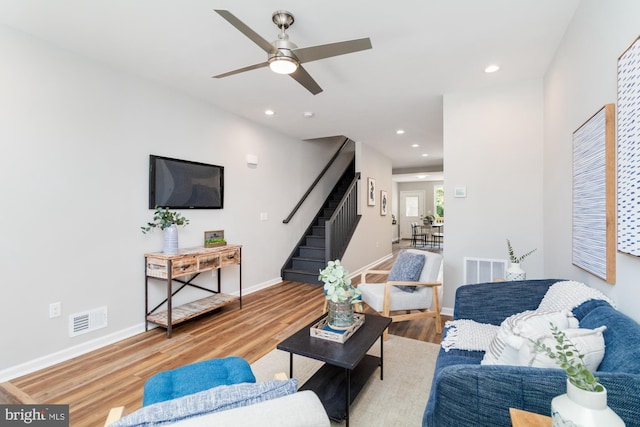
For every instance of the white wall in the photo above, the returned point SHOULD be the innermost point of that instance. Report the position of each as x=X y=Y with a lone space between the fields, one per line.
x=493 y=147
x=76 y=137
x=581 y=80
x=372 y=239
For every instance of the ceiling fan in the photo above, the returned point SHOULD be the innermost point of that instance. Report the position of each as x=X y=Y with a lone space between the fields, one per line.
x=284 y=57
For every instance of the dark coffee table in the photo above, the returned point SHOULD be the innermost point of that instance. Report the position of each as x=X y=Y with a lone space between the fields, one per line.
x=347 y=366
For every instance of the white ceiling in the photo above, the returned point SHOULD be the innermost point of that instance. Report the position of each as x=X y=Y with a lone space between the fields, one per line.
x=422 y=49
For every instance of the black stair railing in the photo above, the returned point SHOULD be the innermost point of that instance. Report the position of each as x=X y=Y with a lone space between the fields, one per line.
x=341 y=226
x=315 y=182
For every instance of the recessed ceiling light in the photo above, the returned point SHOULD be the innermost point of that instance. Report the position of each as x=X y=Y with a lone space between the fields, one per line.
x=425 y=155
x=415 y=145
x=492 y=69
x=400 y=131
x=308 y=114
x=269 y=112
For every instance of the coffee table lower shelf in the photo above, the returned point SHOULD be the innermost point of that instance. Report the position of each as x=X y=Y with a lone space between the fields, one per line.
x=330 y=383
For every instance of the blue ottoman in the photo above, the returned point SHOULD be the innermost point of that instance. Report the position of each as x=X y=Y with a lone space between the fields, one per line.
x=196 y=377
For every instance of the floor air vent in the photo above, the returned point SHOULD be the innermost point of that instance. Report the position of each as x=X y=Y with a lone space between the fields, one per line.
x=81 y=323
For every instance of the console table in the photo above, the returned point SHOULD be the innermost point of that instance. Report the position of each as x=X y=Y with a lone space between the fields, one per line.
x=188 y=262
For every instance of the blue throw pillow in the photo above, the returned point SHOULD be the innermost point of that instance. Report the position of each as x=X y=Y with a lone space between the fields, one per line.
x=407 y=268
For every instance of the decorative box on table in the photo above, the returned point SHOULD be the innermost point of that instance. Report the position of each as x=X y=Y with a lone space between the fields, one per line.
x=322 y=330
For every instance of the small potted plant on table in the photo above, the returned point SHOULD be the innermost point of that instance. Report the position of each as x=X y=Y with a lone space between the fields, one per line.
x=515 y=272
x=585 y=403
x=340 y=295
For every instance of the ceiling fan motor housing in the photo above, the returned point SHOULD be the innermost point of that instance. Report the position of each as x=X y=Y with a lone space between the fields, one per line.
x=282 y=19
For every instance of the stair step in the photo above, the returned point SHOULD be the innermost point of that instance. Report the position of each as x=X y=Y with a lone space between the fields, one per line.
x=312 y=252
x=318 y=230
x=315 y=241
x=301 y=276
x=312 y=265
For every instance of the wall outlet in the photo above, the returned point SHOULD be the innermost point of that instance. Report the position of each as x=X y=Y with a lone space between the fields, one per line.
x=264 y=216
x=55 y=309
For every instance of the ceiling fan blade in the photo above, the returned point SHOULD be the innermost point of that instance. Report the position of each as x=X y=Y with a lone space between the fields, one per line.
x=244 y=29
x=242 y=70
x=305 y=79
x=313 y=53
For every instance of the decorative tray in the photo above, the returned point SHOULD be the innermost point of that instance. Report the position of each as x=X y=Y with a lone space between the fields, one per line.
x=322 y=329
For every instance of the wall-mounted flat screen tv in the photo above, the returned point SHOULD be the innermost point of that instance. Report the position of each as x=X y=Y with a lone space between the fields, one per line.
x=182 y=184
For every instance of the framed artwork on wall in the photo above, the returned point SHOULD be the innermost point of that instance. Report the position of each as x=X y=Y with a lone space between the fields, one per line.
x=629 y=150
x=383 y=202
x=593 y=220
x=371 y=192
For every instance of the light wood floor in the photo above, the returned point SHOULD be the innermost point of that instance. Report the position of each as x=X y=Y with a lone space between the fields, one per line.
x=114 y=375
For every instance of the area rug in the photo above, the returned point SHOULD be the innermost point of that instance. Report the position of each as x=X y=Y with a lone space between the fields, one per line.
x=397 y=401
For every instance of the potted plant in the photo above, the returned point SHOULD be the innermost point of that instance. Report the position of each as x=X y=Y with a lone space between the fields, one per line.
x=585 y=402
x=167 y=221
x=428 y=219
x=514 y=272
x=340 y=295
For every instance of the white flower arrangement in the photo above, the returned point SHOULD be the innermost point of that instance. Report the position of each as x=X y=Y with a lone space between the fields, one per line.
x=337 y=286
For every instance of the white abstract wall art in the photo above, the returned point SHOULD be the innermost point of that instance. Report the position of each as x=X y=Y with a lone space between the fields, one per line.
x=629 y=150
x=594 y=195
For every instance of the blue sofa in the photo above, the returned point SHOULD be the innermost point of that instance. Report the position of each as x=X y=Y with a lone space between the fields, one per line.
x=465 y=393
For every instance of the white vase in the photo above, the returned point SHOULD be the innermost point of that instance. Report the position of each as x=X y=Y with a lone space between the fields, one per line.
x=514 y=272
x=583 y=408
x=171 y=240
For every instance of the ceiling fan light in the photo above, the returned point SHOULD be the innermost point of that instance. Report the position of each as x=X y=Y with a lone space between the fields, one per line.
x=283 y=65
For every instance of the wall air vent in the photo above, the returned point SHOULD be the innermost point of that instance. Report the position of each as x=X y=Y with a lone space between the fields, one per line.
x=481 y=270
x=81 y=323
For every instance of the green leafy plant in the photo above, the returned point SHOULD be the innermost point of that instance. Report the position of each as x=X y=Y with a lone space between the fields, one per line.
x=337 y=286
x=513 y=258
x=212 y=241
x=429 y=218
x=164 y=218
x=569 y=358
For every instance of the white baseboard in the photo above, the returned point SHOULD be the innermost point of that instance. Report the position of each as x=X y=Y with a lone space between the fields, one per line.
x=68 y=353
x=369 y=266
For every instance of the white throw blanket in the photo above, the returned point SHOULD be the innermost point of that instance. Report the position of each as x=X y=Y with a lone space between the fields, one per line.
x=568 y=295
x=465 y=334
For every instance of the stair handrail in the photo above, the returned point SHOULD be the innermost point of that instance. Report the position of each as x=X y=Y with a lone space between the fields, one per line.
x=336 y=225
x=315 y=182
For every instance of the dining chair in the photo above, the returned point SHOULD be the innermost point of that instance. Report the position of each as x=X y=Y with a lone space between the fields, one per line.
x=418 y=234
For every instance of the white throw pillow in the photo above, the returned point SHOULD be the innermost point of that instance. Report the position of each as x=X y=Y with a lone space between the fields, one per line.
x=589 y=342
x=516 y=329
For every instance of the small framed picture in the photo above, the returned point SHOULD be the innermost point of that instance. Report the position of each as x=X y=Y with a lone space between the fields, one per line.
x=214 y=238
x=383 y=202
x=371 y=192
x=460 y=192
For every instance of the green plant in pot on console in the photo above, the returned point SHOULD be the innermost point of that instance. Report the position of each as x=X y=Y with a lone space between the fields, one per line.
x=163 y=218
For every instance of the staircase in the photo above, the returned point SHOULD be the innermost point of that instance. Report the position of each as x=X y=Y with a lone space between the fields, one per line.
x=311 y=253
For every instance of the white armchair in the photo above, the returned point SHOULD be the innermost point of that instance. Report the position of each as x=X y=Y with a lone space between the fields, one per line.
x=399 y=305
